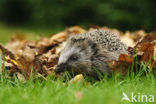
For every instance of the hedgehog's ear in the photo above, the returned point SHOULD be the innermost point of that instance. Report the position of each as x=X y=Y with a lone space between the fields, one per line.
x=92 y=44
x=71 y=39
x=75 y=40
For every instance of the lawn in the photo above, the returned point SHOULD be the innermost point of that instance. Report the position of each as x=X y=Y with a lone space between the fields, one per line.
x=50 y=91
x=106 y=91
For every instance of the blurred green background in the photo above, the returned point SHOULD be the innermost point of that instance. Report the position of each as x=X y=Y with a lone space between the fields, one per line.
x=121 y=14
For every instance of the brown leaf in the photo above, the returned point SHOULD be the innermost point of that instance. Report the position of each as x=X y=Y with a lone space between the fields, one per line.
x=137 y=35
x=125 y=58
x=60 y=37
x=154 y=62
x=16 y=44
x=154 y=52
x=60 y=47
x=127 y=39
x=5 y=51
x=147 y=49
x=94 y=26
x=75 y=30
x=29 y=53
x=7 y=61
x=46 y=62
x=119 y=67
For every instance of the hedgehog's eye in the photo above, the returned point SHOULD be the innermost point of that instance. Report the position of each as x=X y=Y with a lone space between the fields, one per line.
x=74 y=58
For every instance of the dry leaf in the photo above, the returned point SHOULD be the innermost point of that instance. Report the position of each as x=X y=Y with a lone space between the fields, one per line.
x=21 y=77
x=147 y=49
x=62 y=36
x=154 y=52
x=127 y=39
x=125 y=58
x=76 y=79
x=75 y=30
x=119 y=67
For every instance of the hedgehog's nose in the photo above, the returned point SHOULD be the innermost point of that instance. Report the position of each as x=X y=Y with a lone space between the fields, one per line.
x=58 y=70
x=61 y=68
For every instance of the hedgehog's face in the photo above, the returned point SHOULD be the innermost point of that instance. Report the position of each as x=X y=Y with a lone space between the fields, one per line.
x=75 y=58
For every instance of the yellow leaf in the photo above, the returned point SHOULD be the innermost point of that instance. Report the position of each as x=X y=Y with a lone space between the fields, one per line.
x=15 y=62
x=76 y=79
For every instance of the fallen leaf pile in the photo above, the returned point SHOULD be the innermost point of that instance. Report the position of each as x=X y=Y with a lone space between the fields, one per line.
x=21 y=57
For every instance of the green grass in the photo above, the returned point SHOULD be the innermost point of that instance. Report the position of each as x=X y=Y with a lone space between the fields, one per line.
x=105 y=91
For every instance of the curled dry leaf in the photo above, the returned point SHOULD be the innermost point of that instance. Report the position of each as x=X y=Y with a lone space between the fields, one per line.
x=42 y=41
x=7 y=60
x=16 y=44
x=60 y=37
x=145 y=49
x=75 y=30
x=76 y=79
x=123 y=64
x=5 y=51
x=119 y=67
x=60 y=48
x=46 y=62
x=125 y=58
x=154 y=54
x=127 y=39
x=21 y=77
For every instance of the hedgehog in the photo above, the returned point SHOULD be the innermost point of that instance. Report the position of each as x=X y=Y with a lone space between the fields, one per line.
x=88 y=53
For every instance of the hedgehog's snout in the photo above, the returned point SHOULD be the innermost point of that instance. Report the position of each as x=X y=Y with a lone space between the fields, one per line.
x=61 y=68
x=58 y=70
